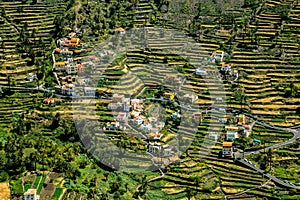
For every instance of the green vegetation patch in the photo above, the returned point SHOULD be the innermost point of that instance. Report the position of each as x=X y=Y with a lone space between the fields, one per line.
x=57 y=193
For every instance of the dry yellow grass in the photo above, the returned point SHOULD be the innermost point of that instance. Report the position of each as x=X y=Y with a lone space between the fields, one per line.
x=168 y=137
x=231 y=190
x=4 y=191
x=267 y=100
x=284 y=158
x=190 y=163
x=261 y=112
x=273 y=106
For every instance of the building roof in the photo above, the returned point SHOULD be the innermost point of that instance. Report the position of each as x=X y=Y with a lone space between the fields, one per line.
x=169 y=93
x=232 y=127
x=227 y=144
x=120 y=29
x=246 y=126
x=48 y=100
x=151 y=135
x=80 y=66
x=113 y=104
x=60 y=63
x=74 y=39
x=30 y=191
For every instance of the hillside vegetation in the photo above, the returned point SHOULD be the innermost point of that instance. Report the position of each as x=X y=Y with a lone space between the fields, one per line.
x=262 y=40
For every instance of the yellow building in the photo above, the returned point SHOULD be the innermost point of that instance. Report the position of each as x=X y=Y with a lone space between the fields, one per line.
x=169 y=95
x=60 y=66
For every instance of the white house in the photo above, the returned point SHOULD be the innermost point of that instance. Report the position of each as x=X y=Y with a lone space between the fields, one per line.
x=213 y=136
x=71 y=68
x=231 y=135
x=31 y=76
x=30 y=194
x=175 y=115
x=89 y=91
x=68 y=89
x=190 y=97
x=154 y=147
x=218 y=55
x=200 y=72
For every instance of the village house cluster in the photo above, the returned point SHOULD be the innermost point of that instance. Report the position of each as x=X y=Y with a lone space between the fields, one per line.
x=239 y=126
x=132 y=112
x=218 y=56
x=226 y=69
x=67 y=68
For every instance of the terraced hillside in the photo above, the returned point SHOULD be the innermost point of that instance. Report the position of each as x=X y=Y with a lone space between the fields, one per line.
x=269 y=58
x=26 y=36
x=264 y=50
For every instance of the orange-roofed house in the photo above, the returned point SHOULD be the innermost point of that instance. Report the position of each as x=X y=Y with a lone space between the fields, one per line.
x=80 y=68
x=48 y=101
x=113 y=106
x=73 y=42
x=57 y=50
x=226 y=67
x=227 y=150
x=120 y=30
x=198 y=116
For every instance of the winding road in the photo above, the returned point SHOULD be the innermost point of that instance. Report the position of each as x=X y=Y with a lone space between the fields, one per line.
x=239 y=156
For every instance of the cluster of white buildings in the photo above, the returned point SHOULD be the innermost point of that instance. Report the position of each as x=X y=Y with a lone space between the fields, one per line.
x=132 y=112
x=240 y=126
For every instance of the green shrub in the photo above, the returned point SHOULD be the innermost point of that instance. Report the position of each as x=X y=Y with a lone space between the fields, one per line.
x=3 y=176
x=16 y=187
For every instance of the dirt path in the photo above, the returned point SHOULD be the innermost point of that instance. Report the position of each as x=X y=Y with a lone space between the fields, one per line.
x=76 y=9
